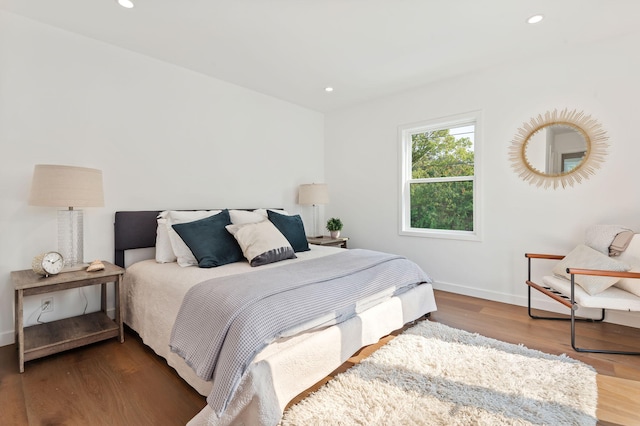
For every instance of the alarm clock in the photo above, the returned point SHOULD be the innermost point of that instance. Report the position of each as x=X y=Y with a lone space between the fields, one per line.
x=49 y=263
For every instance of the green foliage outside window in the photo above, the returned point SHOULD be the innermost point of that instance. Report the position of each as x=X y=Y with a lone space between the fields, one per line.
x=441 y=205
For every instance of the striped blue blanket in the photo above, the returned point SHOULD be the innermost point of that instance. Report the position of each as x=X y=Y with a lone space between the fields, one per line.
x=224 y=322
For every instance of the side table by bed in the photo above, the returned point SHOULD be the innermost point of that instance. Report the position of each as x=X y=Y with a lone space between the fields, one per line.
x=328 y=241
x=40 y=340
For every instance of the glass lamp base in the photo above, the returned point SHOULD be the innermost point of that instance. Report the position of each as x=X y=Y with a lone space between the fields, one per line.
x=70 y=238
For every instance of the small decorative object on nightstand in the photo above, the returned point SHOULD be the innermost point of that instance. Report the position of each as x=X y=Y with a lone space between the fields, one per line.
x=334 y=226
x=96 y=265
x=329 y=241
x=40 y=340
x=46 y=264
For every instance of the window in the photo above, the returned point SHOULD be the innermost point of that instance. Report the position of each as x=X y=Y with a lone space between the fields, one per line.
x=571 y=160
x=439 y=166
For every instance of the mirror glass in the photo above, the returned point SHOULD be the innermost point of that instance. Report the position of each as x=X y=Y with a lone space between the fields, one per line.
x=556 y=148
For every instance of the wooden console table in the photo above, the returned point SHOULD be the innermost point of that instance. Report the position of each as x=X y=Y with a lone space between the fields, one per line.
x=40 y=340
x=329 y=241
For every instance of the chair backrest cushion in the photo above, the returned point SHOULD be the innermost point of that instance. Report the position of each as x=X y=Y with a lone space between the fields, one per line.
x=585 y=257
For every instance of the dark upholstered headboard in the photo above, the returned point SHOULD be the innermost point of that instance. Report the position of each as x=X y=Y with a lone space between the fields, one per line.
x=133 y=230
x=136 y=229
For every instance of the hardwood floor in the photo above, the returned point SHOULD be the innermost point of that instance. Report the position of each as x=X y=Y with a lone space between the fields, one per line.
x=106 y=383
x=109 y=383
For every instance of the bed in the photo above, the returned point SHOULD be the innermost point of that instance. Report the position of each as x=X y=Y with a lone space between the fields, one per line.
x=297 y=356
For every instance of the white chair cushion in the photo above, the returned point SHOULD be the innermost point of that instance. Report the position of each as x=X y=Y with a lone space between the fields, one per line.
x=631 y=256
x=611 y=298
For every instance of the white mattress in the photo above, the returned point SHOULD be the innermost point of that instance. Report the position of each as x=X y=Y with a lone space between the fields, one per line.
x=152 y=296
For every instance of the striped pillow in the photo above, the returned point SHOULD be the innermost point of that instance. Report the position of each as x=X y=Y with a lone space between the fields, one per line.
x=262 y=243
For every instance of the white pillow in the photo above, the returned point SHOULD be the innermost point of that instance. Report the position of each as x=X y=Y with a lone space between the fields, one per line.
x=240 y=217
x=261 y=242
x=632 y=285
x=631 y=256
x=164 y=251
x=180 y=249
x=263 y=212
x=585 y=257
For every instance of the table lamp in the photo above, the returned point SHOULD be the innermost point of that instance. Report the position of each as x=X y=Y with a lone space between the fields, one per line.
x=313 y=194
x=71 y=187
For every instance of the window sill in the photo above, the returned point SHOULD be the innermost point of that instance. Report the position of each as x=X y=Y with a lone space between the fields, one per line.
x=444 y=234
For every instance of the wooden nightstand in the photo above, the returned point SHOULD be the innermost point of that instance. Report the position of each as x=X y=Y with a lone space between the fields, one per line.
x=49 y=338
x=328 y=241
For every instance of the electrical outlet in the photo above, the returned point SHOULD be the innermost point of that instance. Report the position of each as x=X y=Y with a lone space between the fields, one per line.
x=47 y=304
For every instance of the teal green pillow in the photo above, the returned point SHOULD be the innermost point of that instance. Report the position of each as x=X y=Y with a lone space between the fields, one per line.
x=292 y=228
x=209 y=240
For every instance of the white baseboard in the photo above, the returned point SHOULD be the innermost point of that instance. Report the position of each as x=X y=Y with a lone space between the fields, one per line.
x=476 y=292
x=631 y=319
x=7 y=338
x=539 y=301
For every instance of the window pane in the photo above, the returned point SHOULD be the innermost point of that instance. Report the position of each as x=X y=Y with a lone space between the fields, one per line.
x=442 y=153
x=442 y=205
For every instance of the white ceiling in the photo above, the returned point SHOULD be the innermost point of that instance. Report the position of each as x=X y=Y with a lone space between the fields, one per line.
x=293 y=49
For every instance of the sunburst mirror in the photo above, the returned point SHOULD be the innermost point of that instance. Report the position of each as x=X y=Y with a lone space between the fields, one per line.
x=558 y=148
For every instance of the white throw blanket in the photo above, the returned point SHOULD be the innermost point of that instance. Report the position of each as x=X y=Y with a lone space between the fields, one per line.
x=294 y=365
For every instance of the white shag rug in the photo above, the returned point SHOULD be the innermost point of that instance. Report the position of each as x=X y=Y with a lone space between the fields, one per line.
x=433 y=374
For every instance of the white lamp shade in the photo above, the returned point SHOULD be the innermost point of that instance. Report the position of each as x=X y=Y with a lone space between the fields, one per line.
x=66 y=186
x=313 y=194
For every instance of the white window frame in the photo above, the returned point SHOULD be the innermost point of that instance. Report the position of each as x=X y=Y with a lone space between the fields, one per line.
x=404 y=136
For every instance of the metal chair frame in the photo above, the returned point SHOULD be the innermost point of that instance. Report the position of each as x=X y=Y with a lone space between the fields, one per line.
x=569 y=301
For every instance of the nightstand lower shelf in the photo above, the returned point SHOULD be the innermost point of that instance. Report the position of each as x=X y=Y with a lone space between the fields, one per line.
x=57 y=336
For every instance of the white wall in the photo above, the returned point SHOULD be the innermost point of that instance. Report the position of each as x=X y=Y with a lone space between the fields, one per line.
x=361 y=150
x=166 y=137
x=163 y=136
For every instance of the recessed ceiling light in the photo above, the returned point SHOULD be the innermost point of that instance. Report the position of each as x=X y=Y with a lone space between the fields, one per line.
x=126 y=3
x=535 y=19
x=328 y=89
